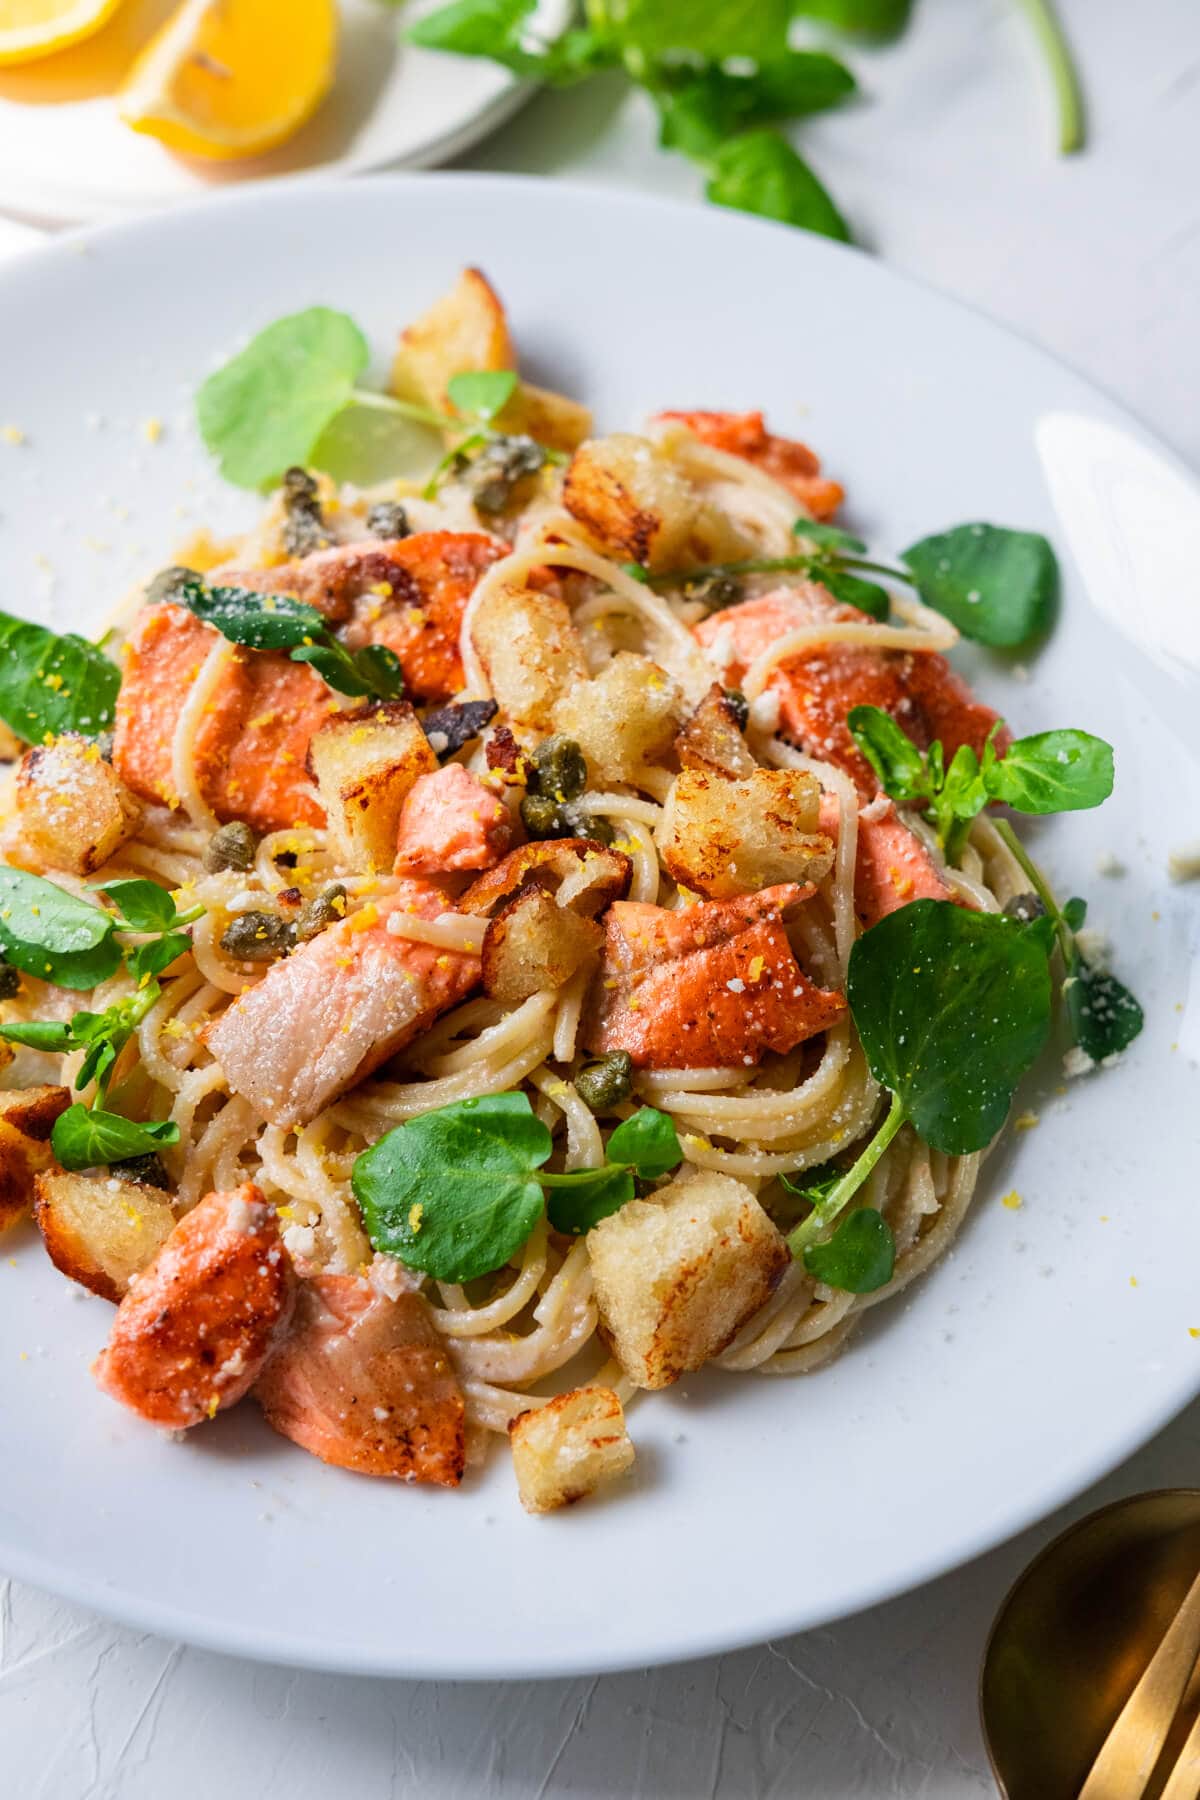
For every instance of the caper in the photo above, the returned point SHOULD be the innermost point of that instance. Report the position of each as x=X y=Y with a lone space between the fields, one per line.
x=388 y=519
x=147 y=1171
x=171 y=583
x=717 y=592
x=539 y=815
x=739 y=706
x=499 y=469
x=604 y=1084
x=232 y=846
x=1026 y=907
x=574 y=820
x=257 y=937
x=325 y=908
x=558 y=768
x=304 y=524
x=10 y=981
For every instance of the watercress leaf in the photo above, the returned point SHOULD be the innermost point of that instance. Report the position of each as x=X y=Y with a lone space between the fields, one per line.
x=758 y=172
x=646 y=1142
x=830 y=537
x=637 y=570
x=50 y=1034
x=898 y=764
x=256 y=621
x=962 y=793
x=481 y=393
x=491 y=28
x=143 y=904
x=577 y=1209
x=1053 y=771
x=952 y=1008
x=84 y=1139
x=997 y=586
x=51 y=684
x=869 y=18
x=454 y=1192
x=381 y=669
x=263 y=411
x=814 y=1184
x=1074 y=912
x=702 y=108
x=713 y=32
x=868 y=596
x=151 y=959
x=334 y=665
x=1104 y=1015
x=101 y=1056
x=47 y=932
x=859 y=1257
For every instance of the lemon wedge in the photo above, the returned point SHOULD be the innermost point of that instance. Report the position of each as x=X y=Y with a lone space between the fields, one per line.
x=33 y=28
x=229 y=78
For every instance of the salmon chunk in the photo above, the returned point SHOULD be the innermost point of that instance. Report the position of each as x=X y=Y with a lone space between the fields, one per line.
x=892 y=865
x=788 y=462
x=451 y=821
x=364 y=1382
x=331 y=579
x=713 y=985
x=417 y=609
x=197 y=1325
x=251 y=742
x=326 y=1016
x=818 y=688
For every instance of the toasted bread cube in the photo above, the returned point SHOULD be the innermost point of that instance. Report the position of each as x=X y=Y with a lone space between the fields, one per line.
x=73 y=809
x=530 y=651
x=100 y=1230
x=631 y=500
x=534 y=943
x=677 y=1275
x=365 y=762
x=465 y=329
x=724 y=837
x=625 y=717
x=565 y=1449
x=551 y=418
x=712 y=738
x=26 y=1120
x=586 y=876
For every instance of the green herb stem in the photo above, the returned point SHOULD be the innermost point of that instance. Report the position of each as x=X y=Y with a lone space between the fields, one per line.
x=1040 y=886
x=1063 y=73
x=825 y=1211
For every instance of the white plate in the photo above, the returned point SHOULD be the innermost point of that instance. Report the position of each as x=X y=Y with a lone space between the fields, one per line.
x=66 y=156
x=1045 y=1348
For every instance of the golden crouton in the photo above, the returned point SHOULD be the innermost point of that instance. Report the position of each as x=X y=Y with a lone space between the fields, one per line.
x=624 y=718
x=678 y=1274
x=532 y=943
x=73 y=809
x=631 y=500
x=530 y=651
x=585 y=876
x=465 y=329
x=365 y=761
x=565 y=1449
x=724 y=837
x=101 y=1230
x=26 y=1120
x=551 y=418
x=712 y=738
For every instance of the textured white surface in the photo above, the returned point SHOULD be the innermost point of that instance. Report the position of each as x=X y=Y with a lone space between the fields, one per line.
x=949 y=175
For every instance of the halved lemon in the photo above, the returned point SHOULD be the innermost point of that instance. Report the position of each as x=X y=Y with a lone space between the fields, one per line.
x=33 y=28
x=228 y=78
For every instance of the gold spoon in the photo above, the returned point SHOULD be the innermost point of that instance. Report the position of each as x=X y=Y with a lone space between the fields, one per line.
x=1074 y=1639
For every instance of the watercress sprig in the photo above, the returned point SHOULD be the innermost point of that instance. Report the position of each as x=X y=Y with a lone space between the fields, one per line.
x=51 y=684
x=952 y=1008
x=278 y=622
x=1050 y=772
x=457 y=1191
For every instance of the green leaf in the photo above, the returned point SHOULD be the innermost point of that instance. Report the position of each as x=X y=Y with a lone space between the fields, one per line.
x=142 y=904
x=814 y=1184
x=84 y=1139
x=454 y=1192
x=481 y=393
x=1104 y=1015
x=53 y=1035
x=830 y=537
x=1074 y=912
x=868 y=596
x=952 y=1008
x=959 y=798
x=489 y=28
x=760 y=173
x=149 y=960
x=860 y=1256
x=715 y=31
x=256 y=621
x=647 y=1142
x=576 y=1209
x=335 y=666
x=867 y=18
x=263 y=411
x=381 y=669
x=997 y=586
x=698 y=110
x=47 y=932
x=1054 y=771
x=51 y=684
x=898 y=764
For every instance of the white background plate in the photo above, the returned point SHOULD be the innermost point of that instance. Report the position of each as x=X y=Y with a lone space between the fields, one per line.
x=65 y=155
x=1028 y=1362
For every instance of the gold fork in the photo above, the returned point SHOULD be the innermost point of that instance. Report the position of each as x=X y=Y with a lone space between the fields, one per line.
x=1131 y=1751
